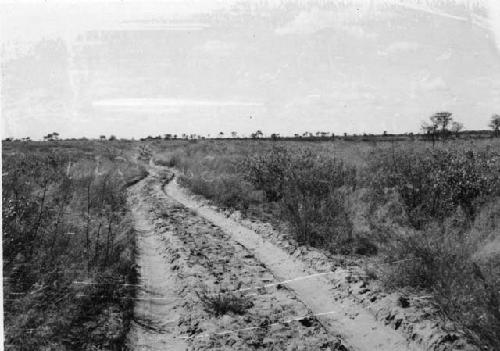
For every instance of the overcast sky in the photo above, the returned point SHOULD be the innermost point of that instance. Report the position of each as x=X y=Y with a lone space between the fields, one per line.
x=134 y=69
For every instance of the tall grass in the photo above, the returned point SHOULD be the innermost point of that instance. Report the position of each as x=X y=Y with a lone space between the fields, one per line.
x=68 y=248
x=310 y=190
x=433 y=209
x=446 y=193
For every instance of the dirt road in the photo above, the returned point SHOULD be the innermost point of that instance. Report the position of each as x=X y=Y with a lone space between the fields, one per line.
x=157 y=306
x=181 y=254
x=185 y=249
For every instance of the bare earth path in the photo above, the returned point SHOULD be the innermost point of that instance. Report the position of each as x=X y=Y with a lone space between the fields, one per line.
x=157 y=300
x=184 y=246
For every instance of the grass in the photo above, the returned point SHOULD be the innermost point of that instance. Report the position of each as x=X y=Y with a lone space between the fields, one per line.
x=68 y=245
x=433 y=209
x=222 y=303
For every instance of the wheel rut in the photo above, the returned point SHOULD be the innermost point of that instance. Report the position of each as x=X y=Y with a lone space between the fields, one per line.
x=339 y=316
x=186 y=260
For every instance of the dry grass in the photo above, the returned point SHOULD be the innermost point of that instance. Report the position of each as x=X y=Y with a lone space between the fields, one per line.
x=68 y=245
x=434 y=210
x=221 y=303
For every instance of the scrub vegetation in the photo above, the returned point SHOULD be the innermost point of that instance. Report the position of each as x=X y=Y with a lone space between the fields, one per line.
x=431 y=207
x=425 y=213
x=68 y=245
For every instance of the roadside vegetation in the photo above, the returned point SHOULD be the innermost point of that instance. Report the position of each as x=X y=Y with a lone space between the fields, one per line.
x=425 y=213
x=434 y=208
x=68 y=245
x=223 y=302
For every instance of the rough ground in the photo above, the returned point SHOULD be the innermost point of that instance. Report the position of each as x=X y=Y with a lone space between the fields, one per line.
x=187 y=247
x=180 y=255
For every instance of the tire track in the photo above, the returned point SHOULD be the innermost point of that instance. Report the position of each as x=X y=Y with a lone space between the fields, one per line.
x=357 y=327
x=202 y=256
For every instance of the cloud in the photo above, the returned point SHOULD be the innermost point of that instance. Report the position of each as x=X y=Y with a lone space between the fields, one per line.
x=494 y=19
x=400 y=47
x=435 y=84
x=444 y=56
x=164 y=26
x=424 y=83
x=217 y=48
x=358 y=31
x=403 y=46
x=315 y=20
x=341 y=94
x=140 y=103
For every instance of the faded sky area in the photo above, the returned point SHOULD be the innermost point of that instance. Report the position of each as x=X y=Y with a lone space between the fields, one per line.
x=134 y=69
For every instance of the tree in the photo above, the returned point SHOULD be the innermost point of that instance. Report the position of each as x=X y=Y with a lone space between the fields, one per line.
x=495 y=124
x=441 y=120
x=51 y=137
x=429 y=131
x=257 y=134
x=275 y=136
x=234 y=134
x=456 y=127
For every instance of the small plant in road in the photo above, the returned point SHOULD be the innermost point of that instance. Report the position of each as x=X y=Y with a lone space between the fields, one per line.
x=221 y=303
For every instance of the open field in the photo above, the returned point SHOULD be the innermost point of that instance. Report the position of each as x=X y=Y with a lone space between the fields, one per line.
x=434 y=210
x=275 y=175
x=291 y=245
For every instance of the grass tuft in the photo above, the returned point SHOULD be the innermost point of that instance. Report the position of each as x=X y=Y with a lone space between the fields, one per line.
x=222 y=303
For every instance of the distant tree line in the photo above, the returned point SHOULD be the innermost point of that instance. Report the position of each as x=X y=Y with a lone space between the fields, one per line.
x=440 y=126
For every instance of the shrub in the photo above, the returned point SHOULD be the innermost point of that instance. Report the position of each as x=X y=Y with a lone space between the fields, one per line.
x=433 y=244
x=442 y=264
x=227 y=191
x=169 y=160
x=311 y=190
x=432 y=212
x=221 y=303
x=267 y=172
x=433 y=183
x=65 y=221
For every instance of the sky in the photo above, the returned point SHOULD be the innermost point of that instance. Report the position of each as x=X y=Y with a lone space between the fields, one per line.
x=133 y=69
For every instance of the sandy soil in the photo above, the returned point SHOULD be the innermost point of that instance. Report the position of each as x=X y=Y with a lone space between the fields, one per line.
x=158 y=306
x=180 y=255
x=357 y=327
x=298 y=299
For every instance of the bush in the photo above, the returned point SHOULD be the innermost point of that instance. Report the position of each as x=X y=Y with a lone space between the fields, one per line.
x=267 y=172
x=433 y=243
x=64 y=221
x=227 y=191
x=221 y=303
x=311 y=190
x=433 y=183
x=432 y=212
x=463 y=291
